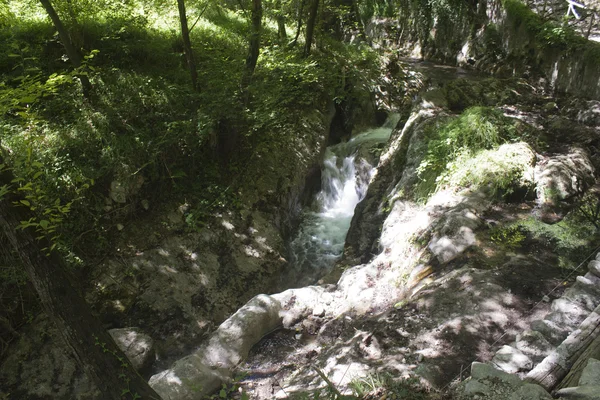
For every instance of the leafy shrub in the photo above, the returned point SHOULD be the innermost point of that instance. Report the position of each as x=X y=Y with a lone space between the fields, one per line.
x=502 y=170
x=450 y=146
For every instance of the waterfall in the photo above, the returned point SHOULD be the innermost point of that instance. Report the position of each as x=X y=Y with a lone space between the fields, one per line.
x=345 y=177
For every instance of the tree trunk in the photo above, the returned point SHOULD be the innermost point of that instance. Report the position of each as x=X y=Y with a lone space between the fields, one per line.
x=281 y=32
x=299 y=17
x=310 y=26
x=91 y=345
x=72 y=52
x=187 y=44
x=254 y=45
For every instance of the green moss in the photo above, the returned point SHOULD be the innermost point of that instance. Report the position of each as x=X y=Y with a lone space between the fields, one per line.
x=572 y=239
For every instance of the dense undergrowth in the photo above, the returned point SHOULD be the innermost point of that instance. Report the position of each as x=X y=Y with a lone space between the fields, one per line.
x=467 y=151
x=142 y=129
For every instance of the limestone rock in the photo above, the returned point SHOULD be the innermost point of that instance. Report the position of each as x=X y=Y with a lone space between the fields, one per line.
x=482 y=371
x=511 y=360
x=202 y=372
x=455 y=234
x=137 y=346
x=582 y=297
x=591 y=373
x=474 y=387
x=534 y=345
x=590 y=114
x=594 y=267
x=579 y=393
x=530 y=391
x=560 y=179
x=552 y=331
x=187 y=379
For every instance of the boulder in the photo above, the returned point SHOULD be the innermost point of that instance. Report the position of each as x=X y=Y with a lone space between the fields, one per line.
x=591 y=373
x=202 y=372
x=511 y=360
x=137 y=346
x=580 y=393
x=594 y=267
x=531 y=391
x=559 y=179
x=534 y=345
x=481 y=371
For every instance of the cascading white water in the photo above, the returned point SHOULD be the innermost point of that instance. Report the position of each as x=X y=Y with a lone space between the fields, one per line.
x=322 y=233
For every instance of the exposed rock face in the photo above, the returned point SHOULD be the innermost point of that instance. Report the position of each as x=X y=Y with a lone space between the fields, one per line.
x=496 y=36
x=560 y=178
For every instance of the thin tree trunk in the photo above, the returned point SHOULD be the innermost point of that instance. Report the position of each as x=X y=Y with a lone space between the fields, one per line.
x=72 y=52
x=91 y=345
x=359 y=22
x=187 y=44
x=254 y=45
x=299 y=26
x=310 y=26
x=281 y=32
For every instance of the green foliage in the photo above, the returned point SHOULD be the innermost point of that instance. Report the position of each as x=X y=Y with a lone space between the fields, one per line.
x=501 y=171
x=451 y=145
x=385 y=384
x=571 y=240
x=549 y=34
x=588 y=208
x=511 y=237
x=126 y=392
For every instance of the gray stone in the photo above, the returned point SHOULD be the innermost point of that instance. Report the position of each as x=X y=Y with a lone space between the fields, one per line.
x=234 y=338
x=455 y=235
x=481 y=371
x=553 y=332
x=594 y=267
x=511 y=360
x=567 y=318
x=562 y=177
x=590 y=114
x=598 y=257
x=585 y=299
x=202 y=372
x=591 y=373
x=530 y=391
x=474 y=387
x=579 y=393
x=318 y=311
x=534 y=345
x=587 y=285
x=188 y=378
x=137 y=346
x=118 y=192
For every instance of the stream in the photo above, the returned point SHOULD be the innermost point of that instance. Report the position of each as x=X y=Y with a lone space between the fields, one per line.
x=345 y=177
